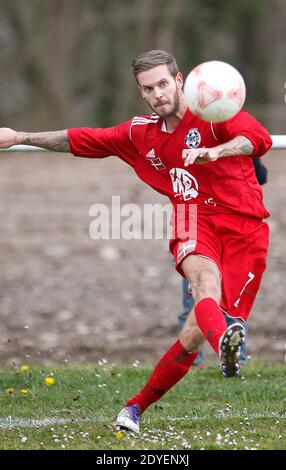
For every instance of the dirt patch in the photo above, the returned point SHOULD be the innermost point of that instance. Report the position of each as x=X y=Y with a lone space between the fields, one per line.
x=66 y=297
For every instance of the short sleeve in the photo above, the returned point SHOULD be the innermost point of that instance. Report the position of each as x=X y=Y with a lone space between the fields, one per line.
x=103 y=142
x=245 y=124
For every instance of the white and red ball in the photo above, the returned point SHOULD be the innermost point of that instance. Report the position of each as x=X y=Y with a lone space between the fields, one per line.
x=215 y=91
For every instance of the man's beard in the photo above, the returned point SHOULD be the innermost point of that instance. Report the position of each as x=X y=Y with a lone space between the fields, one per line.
x=173 y=110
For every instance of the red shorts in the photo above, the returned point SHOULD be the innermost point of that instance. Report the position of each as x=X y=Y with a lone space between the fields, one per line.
x=238 y=246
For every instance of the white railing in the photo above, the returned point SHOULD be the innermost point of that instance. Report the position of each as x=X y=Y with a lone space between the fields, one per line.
x=23 y=148
x=279 y=142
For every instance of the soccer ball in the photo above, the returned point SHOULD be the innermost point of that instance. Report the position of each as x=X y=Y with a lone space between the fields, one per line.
x=214 y=91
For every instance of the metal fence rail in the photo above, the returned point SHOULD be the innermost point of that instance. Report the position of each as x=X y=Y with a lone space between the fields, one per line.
x=279 y=142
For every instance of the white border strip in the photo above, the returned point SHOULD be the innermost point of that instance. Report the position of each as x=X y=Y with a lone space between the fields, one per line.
x=14 y=422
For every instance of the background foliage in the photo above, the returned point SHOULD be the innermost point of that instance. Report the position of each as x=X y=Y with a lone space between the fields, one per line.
x=67 y=62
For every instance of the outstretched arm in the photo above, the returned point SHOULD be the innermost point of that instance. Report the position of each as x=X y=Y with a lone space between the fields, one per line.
x=57 y=141
x=240 y=145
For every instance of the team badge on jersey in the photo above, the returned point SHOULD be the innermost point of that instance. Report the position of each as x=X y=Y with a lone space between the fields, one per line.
x=185 y=185
x=193 y=138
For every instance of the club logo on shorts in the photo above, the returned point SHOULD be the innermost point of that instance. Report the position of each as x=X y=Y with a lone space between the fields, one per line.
x=193 y=138
x=185 y=185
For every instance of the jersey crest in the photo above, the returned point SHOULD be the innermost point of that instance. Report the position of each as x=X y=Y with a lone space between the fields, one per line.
x=193 y=138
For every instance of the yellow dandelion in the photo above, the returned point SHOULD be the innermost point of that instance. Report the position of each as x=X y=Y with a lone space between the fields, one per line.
x=10 y=390
x=49 y=380
x=24 y=391
x=24 y=368
x=119 y=435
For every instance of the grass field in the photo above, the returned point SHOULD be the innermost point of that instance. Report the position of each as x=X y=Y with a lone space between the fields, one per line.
x=204 y=411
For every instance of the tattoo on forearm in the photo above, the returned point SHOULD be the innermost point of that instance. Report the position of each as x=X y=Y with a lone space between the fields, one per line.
x=58 y=141
x=238 y=146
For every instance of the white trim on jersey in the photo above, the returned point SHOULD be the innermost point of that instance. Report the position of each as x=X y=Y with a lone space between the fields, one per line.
x=141 y=121
x=164 y=127
x=213 y=132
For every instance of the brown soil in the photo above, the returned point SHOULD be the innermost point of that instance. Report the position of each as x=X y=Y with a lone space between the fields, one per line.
x=66 y=297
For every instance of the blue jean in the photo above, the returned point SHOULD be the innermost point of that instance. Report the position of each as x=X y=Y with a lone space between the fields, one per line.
x=188 y=303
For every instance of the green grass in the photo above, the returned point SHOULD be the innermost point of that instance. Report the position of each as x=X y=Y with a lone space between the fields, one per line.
x=204 y=411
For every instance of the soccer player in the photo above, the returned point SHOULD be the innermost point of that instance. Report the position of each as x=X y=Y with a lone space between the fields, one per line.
x=219 y=237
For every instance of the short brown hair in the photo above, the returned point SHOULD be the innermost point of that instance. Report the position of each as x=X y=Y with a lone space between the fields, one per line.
x=150 y=59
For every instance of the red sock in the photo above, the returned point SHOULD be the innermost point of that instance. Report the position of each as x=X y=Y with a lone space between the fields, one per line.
x=171 y=368
x=211 y=321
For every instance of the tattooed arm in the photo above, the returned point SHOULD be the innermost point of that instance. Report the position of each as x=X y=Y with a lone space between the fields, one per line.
x=57 y=141
x=240 y=145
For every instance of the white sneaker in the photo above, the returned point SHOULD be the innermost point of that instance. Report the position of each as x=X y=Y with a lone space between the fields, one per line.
x=129 y=418
x=229 y=349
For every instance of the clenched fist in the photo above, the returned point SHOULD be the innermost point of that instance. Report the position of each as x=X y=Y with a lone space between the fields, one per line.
x=8 y=137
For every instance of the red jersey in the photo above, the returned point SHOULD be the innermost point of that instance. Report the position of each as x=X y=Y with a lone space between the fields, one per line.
x=227 y=185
